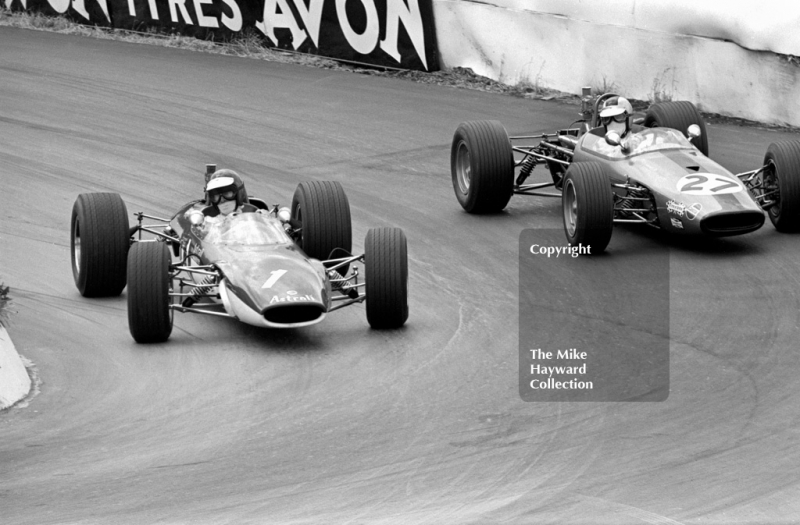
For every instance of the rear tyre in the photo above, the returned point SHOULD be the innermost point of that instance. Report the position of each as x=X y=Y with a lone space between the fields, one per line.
x=678 y=115
x=149 y=282
x=482 y=166
x=386 y=277
x=99 y=241
x=783 y=174
x=588 y=206
x=322 y=211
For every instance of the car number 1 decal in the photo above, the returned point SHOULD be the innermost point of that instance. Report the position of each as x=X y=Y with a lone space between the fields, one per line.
x=274 y=276
x=708 y=184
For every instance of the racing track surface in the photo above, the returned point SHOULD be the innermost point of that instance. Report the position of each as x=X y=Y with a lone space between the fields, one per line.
x=339 y=423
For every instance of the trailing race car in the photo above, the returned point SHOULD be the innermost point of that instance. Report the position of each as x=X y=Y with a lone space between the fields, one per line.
x=655 y=172
x=271 y=267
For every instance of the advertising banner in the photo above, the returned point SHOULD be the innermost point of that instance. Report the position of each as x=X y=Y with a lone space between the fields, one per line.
x=393 y=33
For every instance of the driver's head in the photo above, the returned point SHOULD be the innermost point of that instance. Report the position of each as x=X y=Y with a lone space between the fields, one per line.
x=615 y=115
x=225 y=190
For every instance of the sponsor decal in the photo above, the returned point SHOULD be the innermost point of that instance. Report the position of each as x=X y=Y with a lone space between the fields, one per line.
x=693 y=211
x=678 y=208
x=676 y=223
x=396 y=33
x=290 y=297
x=708 y=184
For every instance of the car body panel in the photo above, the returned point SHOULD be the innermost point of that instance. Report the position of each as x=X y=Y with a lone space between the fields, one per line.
x=693 y=194
x=268 y=280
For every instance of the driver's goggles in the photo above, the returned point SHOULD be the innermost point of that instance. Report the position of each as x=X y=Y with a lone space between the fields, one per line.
x=616 y=118
x=227 y=195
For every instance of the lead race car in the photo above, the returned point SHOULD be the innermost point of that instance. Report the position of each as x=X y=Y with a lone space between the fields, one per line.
x=659 y=174
x=270 y=267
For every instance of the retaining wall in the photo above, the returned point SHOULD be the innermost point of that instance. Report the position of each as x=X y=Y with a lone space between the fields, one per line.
x=723 y=56
x=736 y=57
x=14 y=380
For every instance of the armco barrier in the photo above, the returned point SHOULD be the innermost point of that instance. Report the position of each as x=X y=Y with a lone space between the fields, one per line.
x=723 y=56
x=395 y=33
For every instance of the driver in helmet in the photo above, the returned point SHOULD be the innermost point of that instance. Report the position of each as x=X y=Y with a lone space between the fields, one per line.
x=616 y=115
x=225 y=194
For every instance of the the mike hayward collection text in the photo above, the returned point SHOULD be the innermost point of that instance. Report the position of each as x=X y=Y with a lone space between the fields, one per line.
x=545 y=373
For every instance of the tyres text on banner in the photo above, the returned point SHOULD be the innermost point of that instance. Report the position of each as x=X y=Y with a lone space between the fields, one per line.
x=393 y=33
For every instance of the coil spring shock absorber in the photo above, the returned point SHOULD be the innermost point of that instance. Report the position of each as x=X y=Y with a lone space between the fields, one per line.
x=525 y=169
x=634 y=200
x=624 y=204
x=342 y=286
x=200 y=290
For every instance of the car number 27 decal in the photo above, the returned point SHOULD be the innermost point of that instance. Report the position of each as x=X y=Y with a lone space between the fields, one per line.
x=708 y=184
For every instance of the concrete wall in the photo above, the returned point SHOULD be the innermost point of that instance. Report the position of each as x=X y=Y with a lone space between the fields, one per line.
x=14 y=380
x=723 y=56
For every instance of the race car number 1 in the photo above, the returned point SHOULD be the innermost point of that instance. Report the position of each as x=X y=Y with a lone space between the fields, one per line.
x=274 y=276
x=708 y=184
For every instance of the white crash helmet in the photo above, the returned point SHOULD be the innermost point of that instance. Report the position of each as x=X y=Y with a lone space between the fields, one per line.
x=616 y=109
x=617 y=102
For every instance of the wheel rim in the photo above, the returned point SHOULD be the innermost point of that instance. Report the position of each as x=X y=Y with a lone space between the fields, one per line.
x=299 y=218
x=463 y=168
x=76 y=246
x=570 y=208
x=770 y=184
x=171 y=298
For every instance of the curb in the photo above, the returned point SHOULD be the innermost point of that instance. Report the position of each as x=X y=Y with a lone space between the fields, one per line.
x=14 y=380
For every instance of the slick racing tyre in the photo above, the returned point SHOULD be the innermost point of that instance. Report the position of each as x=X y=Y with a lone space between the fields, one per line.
x=678 y=115
x=99 y=241
x=783 y=174
x=482 y=166
x=322 y=211
x=386 y=277
x=588 y=206
x=149 y=282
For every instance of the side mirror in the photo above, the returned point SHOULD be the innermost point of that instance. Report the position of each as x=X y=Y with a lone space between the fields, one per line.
x=693 y=132
x=613 y=138
x=284 y=214
x=197 y=218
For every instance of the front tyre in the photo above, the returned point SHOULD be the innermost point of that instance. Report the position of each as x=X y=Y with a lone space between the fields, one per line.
x=588 y=206
x=99 y=241
x=149 y=282
x=322 y=212
x=678 y=115
x=482 y=166
x=783 y=174
x=386 y=277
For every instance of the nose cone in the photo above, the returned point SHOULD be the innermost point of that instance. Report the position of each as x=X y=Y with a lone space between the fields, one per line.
x=284 y=289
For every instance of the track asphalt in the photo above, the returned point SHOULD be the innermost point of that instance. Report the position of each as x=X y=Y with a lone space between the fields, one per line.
x=338 y=423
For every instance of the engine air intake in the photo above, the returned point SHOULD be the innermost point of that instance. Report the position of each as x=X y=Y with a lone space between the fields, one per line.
x=296 y=313
x=737 y=223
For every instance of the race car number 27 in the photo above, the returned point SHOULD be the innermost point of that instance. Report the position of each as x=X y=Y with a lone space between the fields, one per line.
x=708 y=184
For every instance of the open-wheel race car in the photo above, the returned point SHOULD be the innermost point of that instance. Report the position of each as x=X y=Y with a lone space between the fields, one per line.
x=655 y=171
x=265 y=266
